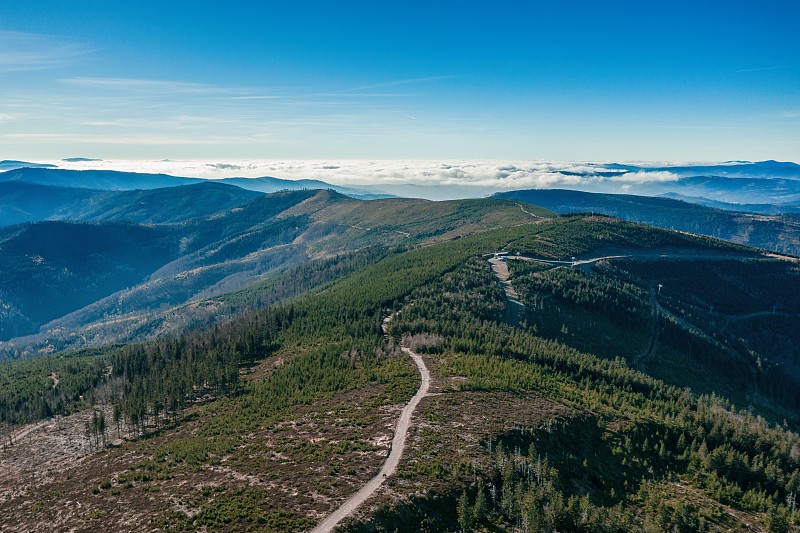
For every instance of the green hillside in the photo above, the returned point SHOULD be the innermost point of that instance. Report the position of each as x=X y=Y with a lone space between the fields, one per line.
x=271 y=420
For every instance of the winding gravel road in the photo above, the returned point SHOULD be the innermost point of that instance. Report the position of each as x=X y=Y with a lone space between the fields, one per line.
x=396 y=451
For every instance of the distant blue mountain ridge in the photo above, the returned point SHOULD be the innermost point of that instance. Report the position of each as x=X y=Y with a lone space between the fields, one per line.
x=11 y=164
x=113 y=180
x=748 y=169
x=764 y=184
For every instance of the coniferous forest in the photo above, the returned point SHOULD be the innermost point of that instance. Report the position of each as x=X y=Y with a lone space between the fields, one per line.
x=578 y=417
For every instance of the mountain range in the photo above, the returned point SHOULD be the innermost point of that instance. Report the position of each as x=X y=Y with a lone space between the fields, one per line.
x=180 y=244
x=741 y=183
x=111 y=180
x=483 y=363
x=736 y=169
x=204 y=238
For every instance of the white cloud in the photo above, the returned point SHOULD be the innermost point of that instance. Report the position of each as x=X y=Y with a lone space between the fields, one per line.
x=647 y=177
x=433 y=179
x=427 y=179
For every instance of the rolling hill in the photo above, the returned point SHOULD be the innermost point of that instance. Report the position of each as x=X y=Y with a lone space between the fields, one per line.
x=268 y=184
x=27 y=202
x=735 y=182
x=731 y=169
x=762 y=209
x=739 y=190
x=53 y=268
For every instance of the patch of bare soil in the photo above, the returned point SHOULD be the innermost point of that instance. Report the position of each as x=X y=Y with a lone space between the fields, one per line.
x=313 y=459
x=42 y=452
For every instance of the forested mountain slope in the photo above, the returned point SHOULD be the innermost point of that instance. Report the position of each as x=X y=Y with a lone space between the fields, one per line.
x=762 y=209
x=199 y=258
x=26 y=202
x=52 y=268
x=106 y=180
x=272 y=420
x=779 y=233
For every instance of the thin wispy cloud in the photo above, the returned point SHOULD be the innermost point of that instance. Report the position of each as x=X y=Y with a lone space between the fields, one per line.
x=149 y=112
x=760 y=69
x=143 y=139
x=20 y=51
x=168 y=122
x=127 y=91
x=149 y=86
x=427 y=79
x=255 y=97
x=367 y=95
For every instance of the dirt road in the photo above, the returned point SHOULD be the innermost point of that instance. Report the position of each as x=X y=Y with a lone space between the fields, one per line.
x=534 y=215
x=396 y=451
x=515 y=309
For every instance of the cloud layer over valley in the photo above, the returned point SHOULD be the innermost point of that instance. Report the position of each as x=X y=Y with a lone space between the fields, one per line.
x=430 y=179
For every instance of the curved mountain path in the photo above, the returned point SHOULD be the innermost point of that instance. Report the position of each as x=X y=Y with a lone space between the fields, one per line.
x=534 y=215
x=395 y=452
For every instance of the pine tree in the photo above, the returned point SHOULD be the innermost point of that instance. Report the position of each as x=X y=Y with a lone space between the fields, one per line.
x=481 y=506
x=464 y=512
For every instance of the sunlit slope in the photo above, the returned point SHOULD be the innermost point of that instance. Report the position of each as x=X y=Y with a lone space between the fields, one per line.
x=215 y=254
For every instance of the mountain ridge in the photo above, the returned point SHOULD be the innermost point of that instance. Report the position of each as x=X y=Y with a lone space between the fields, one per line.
x=775 y=233
x=113 y=180
x=28 y=202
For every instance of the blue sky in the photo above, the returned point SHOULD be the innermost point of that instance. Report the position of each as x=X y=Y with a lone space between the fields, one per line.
x=405 y=80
